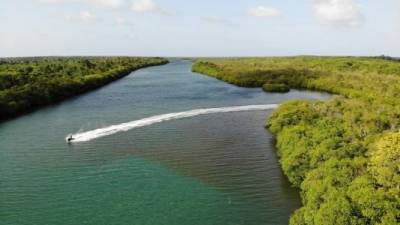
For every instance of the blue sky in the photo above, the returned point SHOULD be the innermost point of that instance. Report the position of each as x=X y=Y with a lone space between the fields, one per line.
x=199 y=28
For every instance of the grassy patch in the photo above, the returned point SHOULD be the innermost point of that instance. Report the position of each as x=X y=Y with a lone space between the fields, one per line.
x=275 y=87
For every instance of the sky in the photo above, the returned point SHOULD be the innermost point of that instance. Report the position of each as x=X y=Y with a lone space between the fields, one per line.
x=199 y=28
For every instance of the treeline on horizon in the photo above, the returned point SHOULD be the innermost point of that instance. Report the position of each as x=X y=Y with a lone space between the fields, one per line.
x=30 y=82
x=343 y=153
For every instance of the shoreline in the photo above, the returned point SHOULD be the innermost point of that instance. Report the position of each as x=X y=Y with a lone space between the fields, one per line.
x=334 y=150
x=80 y=85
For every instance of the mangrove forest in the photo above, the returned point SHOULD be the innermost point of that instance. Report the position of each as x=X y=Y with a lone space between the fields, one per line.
x=27 y=83
x=343 y=153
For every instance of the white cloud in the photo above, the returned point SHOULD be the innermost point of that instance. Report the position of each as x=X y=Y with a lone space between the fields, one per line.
x=120 y=20
x=131 y=36
x=218 y=20
x=144 y=6
x=111 y=4
x=264 y=11
x=338 y=12
x=87 y=17
x=84 y=16
x=108 y=4
x=56 y=1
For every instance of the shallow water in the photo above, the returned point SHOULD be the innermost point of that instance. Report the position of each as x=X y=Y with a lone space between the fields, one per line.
x=211 y=169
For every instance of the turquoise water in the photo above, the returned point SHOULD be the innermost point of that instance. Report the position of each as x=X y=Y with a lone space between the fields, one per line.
x=211 y=169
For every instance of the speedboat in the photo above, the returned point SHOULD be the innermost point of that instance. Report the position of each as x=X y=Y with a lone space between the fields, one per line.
x=70 y=139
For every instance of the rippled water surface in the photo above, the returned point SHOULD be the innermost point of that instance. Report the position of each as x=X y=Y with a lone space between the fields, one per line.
x=211 y=169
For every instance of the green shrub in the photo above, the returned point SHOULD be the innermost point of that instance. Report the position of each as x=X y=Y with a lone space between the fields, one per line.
x=276 y=87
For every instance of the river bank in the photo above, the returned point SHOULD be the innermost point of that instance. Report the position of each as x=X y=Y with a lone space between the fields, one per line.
x=29 y=83
x=342 y=153
x=209 y=169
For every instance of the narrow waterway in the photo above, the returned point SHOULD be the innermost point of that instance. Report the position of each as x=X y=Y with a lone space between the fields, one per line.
x=218 y=168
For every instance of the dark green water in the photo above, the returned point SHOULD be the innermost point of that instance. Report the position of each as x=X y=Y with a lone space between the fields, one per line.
x=213 y=169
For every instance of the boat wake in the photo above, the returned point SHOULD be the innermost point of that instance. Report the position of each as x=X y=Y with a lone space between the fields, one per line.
x=113 y=129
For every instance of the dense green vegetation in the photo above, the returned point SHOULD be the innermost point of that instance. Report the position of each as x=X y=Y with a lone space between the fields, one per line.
x=27 y=83
x=344 y=153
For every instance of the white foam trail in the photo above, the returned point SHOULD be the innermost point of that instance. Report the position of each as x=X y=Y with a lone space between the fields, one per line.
x=106 y=131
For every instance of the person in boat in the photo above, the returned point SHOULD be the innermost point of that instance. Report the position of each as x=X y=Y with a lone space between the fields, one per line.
x=70 y=138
